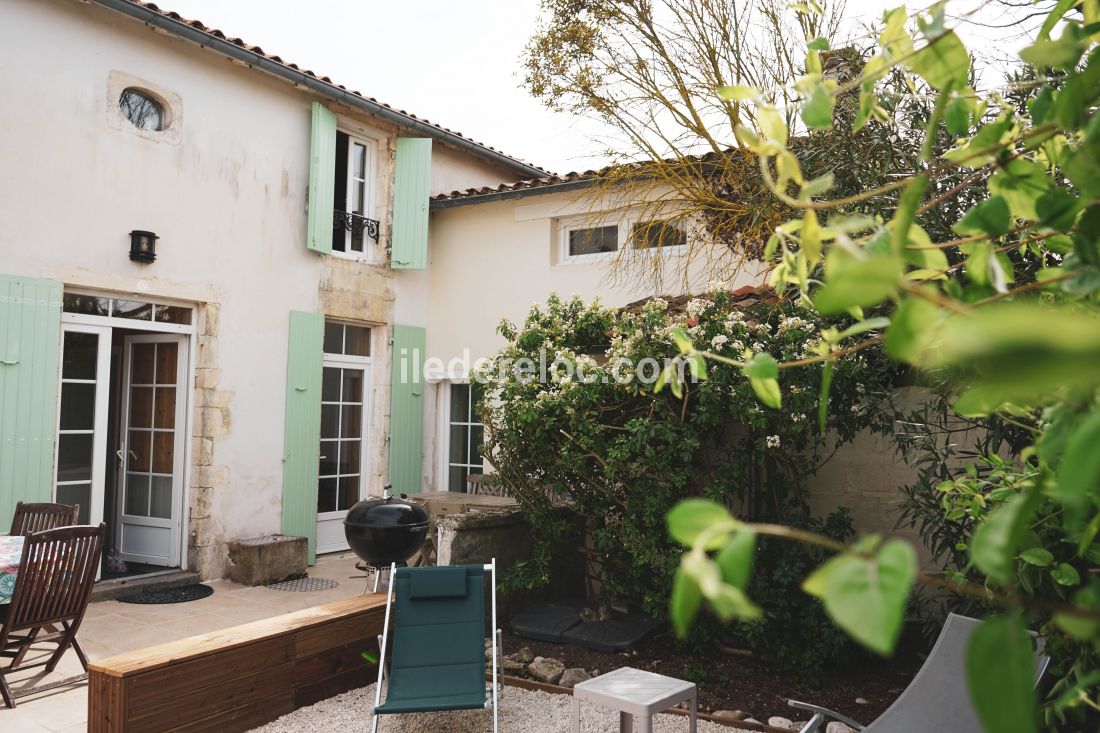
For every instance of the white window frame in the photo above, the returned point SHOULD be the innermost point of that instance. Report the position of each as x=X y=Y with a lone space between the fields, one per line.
x=567 y=227
x=445 y=443
x=364 y=363
x=370 y=192
x=625 y=227
x=629 y=225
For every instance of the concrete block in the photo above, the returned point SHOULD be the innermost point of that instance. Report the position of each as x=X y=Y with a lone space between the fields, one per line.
x=266 y=560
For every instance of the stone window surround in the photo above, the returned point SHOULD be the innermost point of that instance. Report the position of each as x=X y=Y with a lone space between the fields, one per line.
x=172 y=134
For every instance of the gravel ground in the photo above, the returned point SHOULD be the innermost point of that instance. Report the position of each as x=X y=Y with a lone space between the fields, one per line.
x=521 y=711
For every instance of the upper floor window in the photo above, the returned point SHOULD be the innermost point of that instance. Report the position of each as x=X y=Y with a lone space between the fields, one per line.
x=354 y=226
x=582 y=242
x=142 y=110
x=657 y=234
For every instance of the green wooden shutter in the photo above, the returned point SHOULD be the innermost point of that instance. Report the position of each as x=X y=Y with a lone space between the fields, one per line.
x=30 y=338
x=407 y=408
x=302 y=441
x=411 y=190
x=322 y=179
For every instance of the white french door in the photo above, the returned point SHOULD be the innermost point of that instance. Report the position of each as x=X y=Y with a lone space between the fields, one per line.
x=152 y=448
x=82 y=419
x=342 y=478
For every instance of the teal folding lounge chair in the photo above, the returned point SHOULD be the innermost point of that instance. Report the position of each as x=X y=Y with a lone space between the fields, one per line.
x=438 y=658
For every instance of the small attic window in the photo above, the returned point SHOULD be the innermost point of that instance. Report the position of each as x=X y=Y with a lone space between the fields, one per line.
x=142 y=110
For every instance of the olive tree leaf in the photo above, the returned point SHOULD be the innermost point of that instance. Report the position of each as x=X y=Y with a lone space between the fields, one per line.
x=761 y=366
x=1000 y=675
x=1057 y=209
x=862 y=284
x=867 y=597
x=683 y=341
x=685 y=602
x=956 y=115
x=735 y=559
x=912 y=328
x=943 y=63
x=993 y=545
x=1062 y=54
x=738 y=92
x=767 y=391
x=1079 y=470
x=772 y=124
x=986 y=217
x=817 y=112
x=1077 y=626
x=691 y=517
x=1022 y=352
x=1037 y=556
x=727 y=601
x=1065 y=574
x=1021 y=183
x=823 y=398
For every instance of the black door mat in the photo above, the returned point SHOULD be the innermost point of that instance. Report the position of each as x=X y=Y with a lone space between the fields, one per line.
x=183 y=594
x=547 y=621
x=611 y=635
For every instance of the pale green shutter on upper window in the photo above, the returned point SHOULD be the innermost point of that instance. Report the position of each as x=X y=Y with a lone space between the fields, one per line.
x=322 y=179
x=302 y=441
x=411 y=189
x=30 y=338
x=407 y=408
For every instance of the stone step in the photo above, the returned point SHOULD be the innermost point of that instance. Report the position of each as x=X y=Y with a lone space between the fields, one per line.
x=106 y=590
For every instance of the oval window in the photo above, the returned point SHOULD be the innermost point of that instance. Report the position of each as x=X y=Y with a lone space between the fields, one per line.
x=142 y=110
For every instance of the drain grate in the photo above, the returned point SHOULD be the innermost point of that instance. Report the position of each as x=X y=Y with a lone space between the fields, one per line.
x=304 y=585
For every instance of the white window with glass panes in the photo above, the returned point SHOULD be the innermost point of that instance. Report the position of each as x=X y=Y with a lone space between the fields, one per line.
x=345 y=406
x=465 y=435
x=583 y=241
x=354 y=222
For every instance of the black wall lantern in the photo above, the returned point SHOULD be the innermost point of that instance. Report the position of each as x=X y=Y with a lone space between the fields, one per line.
x=143 y=246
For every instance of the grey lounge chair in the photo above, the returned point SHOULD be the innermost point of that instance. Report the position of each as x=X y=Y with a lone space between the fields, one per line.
x=936 y=700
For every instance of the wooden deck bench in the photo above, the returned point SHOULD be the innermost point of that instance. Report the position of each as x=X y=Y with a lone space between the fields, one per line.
x=240 y=677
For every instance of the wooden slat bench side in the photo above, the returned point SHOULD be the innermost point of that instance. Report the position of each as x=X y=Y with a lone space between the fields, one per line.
x=240 y=677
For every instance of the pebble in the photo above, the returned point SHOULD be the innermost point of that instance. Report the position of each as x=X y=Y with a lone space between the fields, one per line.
x=860 y=701
x=546 y=669
x=731 y=714
x=837 y=727
x=777 y=722
x=573 y=676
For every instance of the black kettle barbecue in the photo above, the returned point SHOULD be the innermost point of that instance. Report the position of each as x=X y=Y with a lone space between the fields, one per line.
x=386 y=530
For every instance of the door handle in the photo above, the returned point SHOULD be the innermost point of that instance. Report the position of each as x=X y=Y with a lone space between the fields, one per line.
x=121 y=457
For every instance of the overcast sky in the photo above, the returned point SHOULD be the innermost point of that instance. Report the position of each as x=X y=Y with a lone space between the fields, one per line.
x=454 y=62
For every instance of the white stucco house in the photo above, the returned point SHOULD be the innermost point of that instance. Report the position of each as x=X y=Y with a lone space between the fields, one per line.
x=222 y=275
x=198 y=255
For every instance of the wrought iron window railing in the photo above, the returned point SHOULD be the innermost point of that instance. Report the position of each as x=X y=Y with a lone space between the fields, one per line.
x=356 y=224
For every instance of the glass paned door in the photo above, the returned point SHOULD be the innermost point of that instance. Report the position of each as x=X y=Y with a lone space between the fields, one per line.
x=465 y=435
x=151 y=450
x=345 y=386
x=82 y=419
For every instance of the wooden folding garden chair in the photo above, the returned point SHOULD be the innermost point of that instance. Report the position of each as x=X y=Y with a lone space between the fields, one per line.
x=56 y=572
x=37 y=517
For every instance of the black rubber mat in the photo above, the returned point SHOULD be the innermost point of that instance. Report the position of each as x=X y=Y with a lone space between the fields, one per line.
x=183 y=594
x=545 y=621
x=612 y=635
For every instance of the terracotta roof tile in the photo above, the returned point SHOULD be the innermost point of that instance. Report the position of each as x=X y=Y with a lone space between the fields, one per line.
x=200 y=26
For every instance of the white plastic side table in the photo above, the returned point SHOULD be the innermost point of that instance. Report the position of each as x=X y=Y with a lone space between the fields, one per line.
x=636 y=694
